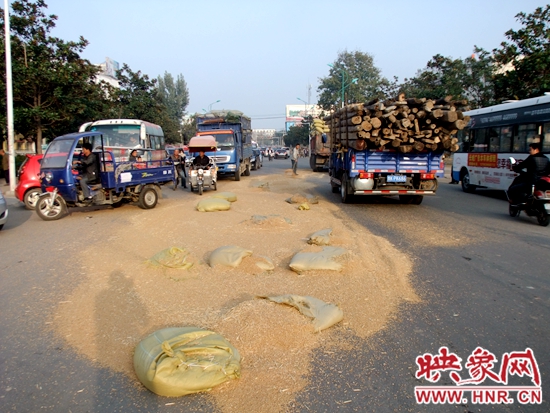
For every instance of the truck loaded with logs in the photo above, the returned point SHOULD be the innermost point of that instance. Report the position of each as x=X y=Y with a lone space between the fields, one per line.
x=393 y=147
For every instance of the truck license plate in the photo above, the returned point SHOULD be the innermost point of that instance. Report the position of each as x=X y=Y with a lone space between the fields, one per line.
x=396 y=178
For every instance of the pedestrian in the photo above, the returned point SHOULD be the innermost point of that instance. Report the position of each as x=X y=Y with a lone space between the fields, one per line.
x=179 y=163
x=5 y=165
x=294 y=158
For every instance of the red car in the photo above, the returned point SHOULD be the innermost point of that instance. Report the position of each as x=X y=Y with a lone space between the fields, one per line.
x=28 y=187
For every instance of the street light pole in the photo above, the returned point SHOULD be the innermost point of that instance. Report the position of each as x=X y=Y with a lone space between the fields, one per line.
x=9 y=98
x=343 y=73
x=210 y=105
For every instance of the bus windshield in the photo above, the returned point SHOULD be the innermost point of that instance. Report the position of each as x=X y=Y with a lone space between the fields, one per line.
x=225 y=140
x=124 y=136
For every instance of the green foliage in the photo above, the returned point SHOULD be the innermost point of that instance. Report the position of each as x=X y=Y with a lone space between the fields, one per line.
x=348 y=66
x=52 y=85
x=528 y=53
x=469 y=78
x=298 y=134
x=189 y=128
x=175 y=97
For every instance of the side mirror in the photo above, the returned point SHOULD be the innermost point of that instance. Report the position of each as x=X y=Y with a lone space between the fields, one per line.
x=513 y=160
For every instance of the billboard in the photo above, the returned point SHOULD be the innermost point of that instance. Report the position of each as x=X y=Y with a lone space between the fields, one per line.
x=296 y=113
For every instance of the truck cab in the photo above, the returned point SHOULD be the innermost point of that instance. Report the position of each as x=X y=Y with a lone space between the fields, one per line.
x=233 y=134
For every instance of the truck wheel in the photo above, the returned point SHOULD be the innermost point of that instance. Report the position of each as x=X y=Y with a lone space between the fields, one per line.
x=200 y=189
x=312 y=163
x=51 y=211
x=543 y=218
x=334 y=188
x=148 y=198
x=247 y=170
x=346 y=198
x=417 y=199
x=238 y=174
x=31 y=197
x=466 y=185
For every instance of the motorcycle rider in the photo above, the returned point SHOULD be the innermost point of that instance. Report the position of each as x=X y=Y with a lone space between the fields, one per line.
x=90 y=172
x=536 y=165
x=201 y=161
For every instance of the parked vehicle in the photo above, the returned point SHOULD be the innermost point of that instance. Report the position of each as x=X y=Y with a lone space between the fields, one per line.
x=233 y=133
x=120 y=136
x=281 y=153
x=117 y=181
x=257 y=158
x=537 y=203
x=28 y=187
x=203 y=177
x=319 y=147
x=371 y=172
x=3 y=210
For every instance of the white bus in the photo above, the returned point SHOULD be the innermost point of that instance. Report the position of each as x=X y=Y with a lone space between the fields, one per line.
x=122 y=135
x=493 y=135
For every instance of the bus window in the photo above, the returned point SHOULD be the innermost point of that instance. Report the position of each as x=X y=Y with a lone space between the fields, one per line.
x=479 y=140
x=525 y=137
x=506 y=133
x=494 y=139
x=546 y=138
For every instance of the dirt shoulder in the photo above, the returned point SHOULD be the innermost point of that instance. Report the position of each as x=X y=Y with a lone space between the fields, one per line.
x=122 y=299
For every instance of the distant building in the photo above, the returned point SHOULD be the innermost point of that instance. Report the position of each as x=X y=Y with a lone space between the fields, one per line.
x=108 y=72
x=295 y=114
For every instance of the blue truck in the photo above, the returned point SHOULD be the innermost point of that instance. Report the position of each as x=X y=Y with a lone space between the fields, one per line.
x=233 y=133
x=385 y=173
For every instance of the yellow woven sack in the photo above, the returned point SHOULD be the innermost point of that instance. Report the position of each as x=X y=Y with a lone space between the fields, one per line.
x=177 y=361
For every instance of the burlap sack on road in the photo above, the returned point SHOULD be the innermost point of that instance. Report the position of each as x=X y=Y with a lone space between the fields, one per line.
x=229 y=255
x=321 y=237
x=213 y=204
x=322 y=260
x=172 y=257
x=301 y=198
x=228 y=196
x=324 y=314
x=177 y=361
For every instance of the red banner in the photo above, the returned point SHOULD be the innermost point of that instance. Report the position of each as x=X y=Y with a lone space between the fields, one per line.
x=487 y=160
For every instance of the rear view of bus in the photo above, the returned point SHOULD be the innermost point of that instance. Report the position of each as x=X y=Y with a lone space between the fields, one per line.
x=122 y=135
x=495 y=134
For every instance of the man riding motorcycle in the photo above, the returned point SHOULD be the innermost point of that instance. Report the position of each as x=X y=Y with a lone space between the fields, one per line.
x=536 y=166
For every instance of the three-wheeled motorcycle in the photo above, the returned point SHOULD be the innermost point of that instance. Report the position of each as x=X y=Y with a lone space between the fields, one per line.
x=200 y=176
x=117 y=180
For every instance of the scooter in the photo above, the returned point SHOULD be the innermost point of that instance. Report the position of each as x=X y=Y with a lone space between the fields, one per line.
x=537 y=203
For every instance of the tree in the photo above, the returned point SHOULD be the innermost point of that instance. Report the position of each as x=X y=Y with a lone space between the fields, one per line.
x=52 y=85
x=298 y=134
x=349 y=66
x=175 y=97
x=524 y=61
x=469 y=78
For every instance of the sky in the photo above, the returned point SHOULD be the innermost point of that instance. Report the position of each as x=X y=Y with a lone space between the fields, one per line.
x=259 y=56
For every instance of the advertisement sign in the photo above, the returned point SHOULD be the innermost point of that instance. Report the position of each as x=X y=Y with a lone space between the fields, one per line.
x=487 y=160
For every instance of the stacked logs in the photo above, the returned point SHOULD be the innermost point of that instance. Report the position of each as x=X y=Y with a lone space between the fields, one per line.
x=406 y=125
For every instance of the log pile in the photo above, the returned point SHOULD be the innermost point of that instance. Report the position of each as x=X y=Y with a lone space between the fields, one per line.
x=406 y=125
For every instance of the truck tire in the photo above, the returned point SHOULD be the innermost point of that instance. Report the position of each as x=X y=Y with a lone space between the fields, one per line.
x=200 y=189
x=238 y=174
x=148 y=198
x=312 y=163
x=346 y=197
x=411 y=199
x=247 y=169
